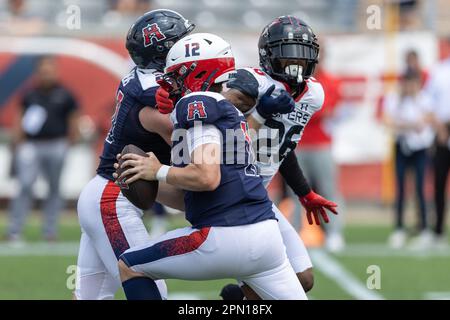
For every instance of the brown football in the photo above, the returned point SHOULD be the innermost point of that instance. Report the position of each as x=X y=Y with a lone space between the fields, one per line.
x=141 y=193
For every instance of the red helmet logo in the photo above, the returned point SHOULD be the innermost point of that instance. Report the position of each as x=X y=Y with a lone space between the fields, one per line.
x=150 y=32
x=196 y=109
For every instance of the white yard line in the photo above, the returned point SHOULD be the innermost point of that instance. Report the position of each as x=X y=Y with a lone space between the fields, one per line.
x=445 y=295
x=39 y=249
x=342 y=277
x=382 y=250
x=351 y=250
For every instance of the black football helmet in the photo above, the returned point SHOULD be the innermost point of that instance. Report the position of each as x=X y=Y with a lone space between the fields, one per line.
x=153 y=34
x=288 y=38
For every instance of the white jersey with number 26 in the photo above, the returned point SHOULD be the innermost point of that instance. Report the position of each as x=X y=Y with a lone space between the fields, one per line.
x=280 y=134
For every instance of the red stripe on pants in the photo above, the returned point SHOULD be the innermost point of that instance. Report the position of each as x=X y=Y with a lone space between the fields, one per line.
x=111 y=223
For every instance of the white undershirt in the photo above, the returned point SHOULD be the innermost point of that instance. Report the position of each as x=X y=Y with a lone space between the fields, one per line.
x=200 y=135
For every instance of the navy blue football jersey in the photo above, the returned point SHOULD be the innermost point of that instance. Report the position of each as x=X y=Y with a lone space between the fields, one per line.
x=240 y=198
x=136 y=91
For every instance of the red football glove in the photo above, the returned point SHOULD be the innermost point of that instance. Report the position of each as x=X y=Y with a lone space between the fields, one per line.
x=315 y=205
x=163 y=102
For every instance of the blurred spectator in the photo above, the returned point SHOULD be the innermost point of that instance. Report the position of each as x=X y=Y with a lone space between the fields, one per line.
x=407 y=114
x=123 y=10
x=17 y=21
x=315 y=157
x=408 y=13
x=438 y=91
x=48 y=123
x=131 y=7
x=413 y=65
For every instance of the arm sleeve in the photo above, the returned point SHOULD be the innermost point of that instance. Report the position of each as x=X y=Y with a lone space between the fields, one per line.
x=201 y=135
x=245 y=82
x=293 y=175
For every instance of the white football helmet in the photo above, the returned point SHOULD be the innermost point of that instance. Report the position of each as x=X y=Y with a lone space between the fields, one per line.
x=199 y=60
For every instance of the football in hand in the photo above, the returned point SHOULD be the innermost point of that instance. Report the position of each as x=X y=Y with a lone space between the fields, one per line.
x=141 y=193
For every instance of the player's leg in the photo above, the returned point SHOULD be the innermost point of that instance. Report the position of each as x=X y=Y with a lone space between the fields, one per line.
x=278 y=281
x=296 y=251
x=182 y=254
x=91 y=266
x=254 y=253
x=52 y=160
x=27 y=167
x=297 y=255
x=162 y=258
x=112 y=223
x=279 y=284
x=93 y=282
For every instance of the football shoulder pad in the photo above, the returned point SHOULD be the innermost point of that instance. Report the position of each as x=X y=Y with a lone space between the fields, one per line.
x=206 y=107
x=315 y=95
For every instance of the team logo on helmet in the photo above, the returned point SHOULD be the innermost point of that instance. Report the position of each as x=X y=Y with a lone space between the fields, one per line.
x=150 y=32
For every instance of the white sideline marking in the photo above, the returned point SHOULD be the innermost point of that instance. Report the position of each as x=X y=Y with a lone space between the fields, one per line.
x=445 y=295
x=67 y=249
x=344 y=279
x=383 y=250
x=351 y=250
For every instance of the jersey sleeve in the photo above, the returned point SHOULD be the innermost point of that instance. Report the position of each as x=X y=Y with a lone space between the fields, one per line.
x=245 y=81
x=253 y=82
x=147 y=97
x=198 y=136
x=315 y=96
x=197 y=108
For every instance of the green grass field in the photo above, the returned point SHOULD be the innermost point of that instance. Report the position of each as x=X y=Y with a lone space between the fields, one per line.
x=45 y=271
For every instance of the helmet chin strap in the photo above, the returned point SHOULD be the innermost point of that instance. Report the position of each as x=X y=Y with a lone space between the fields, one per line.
x=295 y=71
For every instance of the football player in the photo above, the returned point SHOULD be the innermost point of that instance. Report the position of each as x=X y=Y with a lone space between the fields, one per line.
x=110 y=223
x=234 y=232
x=288 y=53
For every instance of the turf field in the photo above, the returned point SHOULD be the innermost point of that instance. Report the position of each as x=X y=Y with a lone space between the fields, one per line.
x=45 y=271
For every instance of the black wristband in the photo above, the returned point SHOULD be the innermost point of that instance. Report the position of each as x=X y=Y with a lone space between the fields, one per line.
x=293 y=175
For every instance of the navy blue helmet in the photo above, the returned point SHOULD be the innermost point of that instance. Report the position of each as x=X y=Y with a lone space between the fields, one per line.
x=153 y=34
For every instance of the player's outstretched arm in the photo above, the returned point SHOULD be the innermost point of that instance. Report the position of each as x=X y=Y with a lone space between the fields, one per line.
x=314 y=204
x=268 y=106
x=239 y=99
